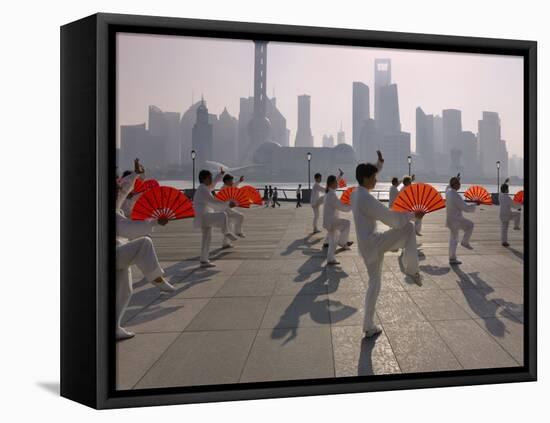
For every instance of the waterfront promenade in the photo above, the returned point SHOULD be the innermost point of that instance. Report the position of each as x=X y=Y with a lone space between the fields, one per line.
x=272 y=310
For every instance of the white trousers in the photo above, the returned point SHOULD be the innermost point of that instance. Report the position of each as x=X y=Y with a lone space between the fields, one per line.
x=236 y=220
x=141 y=253
x=315 y=218
x=515 y=216
x=209 y=221
x=392 y=239
x=465 y=225
x=418 y=225
x=337 y=234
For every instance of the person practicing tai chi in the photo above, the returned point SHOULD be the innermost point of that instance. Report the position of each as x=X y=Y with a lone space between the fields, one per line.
x=506 y=213
x=455 y=205
x=134 y=247
x=236 y=218
x=394 y=191
x=373 y=244
x=337 y=228
x=317 y=198
x=408 y=180
x=211 y=213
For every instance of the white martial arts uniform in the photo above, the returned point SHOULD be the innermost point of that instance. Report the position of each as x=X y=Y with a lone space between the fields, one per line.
x=394 y=192
x=367 y=210
x=236 y=218
x=507 y=214
x=417 y=222
x=317 y=198
x=209 y=213
x=455 y=205
x=337 y=228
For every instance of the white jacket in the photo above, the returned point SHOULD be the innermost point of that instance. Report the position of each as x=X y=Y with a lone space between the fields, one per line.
x=127 y=229
x=332 y=209
x=126 y=186
x=455 y=205
x=394 y=192
x=204 y=202
x=367 y=211
x=317 y=196
x=506 y=204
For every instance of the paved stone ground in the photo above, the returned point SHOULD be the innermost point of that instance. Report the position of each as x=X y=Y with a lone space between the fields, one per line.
x=271 y=309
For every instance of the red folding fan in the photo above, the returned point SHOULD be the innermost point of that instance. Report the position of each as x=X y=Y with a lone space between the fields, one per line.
x=253 y=195
x=162 y=202
x=234 y=194
x=419 y=197
x=518 y=198
x=342 y=183
x=478 y=194
x=346 y=196
x=141 y=186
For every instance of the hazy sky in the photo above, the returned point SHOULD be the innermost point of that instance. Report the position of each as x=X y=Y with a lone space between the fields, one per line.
x=167 y=70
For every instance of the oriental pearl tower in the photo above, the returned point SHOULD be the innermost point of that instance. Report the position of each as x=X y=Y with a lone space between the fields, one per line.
x=259 y=127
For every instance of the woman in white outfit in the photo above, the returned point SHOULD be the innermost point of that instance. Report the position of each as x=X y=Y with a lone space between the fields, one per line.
x=236 y=218
x=507 y=214
x=373 y=244
x=209 y=213
x=337 y=228
x=394 y=192
x=317 y=198
x=408 y=180
x=455 y=205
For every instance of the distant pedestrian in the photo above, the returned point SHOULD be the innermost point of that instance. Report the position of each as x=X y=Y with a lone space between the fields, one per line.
x=299 y=196
x=275 y=198
x=266 y=196
x=269 y=196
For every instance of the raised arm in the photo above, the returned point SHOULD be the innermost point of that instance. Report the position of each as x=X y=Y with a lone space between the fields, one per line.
x=462 y=205
x=380 y=161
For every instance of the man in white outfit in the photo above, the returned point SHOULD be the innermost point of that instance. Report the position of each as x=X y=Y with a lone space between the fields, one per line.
x=337 y=228
x=506 y=213
x=455 y=205
x=367 y=211
x=235 y=217
x=209 y=213
x=394 y=192
x=317 y=198
x=408 y=180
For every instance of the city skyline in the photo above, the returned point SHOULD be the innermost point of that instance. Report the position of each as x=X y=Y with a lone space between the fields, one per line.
x=153 y=71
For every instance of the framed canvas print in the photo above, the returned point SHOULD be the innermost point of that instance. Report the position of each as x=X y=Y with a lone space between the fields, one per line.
x=255 y=211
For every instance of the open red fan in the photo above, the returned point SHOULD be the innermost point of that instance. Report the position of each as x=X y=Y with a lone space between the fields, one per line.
x=346 y=196
x=234 y=194
x=518 y=198
x=419 y=197
x=478 y=194
x=342 y=183
x=141 y=186
x=253 y=195
x=162 y=202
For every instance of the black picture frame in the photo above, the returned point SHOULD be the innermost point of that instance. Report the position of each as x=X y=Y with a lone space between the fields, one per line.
x=88 y=227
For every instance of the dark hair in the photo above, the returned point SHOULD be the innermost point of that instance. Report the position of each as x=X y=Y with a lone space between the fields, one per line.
x=317 y=175
x=126 y=173
x=407 y=180
x=203 y=175
x=330 y=180
x=364 y=171
x=454 y=180
x=227 y=178
x=394 y=181
x=504 y=188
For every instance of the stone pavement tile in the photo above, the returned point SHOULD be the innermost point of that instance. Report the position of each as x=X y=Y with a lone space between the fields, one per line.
x=509 y=300
x=287 y=354
x=167 y=315
x=258 y=267
x=503 y=278
x=419 y=348
x=136 y=355
x=248 y=286
x=409 y=285
x=474 y=302
x=339 y=281
x=305 y=284
x=230 y=313
x=436 y=305
x=390 y=282
x=348 y=309
x=296 y=311
x=397 y=306
x=473 y=347
x=201 y=358
x=356 y=356
x=203 y=284
x=508 y=333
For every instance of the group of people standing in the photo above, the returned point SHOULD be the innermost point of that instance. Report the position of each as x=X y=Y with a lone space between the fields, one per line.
x=271 y=197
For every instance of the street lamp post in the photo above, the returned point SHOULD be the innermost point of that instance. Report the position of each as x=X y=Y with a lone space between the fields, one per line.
x=193 y=156
x=409 y=161
x=309 y=170
x=498 y=175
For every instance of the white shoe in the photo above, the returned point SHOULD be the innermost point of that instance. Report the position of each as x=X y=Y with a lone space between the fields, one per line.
x=417 y=278
x=164 y=286
x=122 y=334
x=207 y=265
x=372 y=332
x=231 y=236
x=241 y=235
x=226 y=246
x=466 y=245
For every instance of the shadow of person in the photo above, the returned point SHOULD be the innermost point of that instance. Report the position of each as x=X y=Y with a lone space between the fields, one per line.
x=364 y=364
x=299 y=244
x=434 y=270
x=515 y=252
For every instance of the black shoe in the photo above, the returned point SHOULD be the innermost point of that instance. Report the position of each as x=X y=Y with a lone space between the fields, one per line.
x=349 y=243
x=325 y=245
x=505 y=244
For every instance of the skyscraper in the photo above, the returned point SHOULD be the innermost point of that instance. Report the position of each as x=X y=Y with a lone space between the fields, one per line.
x=341 y=136
x=203 y=134
x=382 y=78
x=489 y=142
x=360 y=113
x=225 y=139
x=424 y=137
x=303 y=133
x=328 y=140
x=259 y=126
x=452 y=127
x=388 y=120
